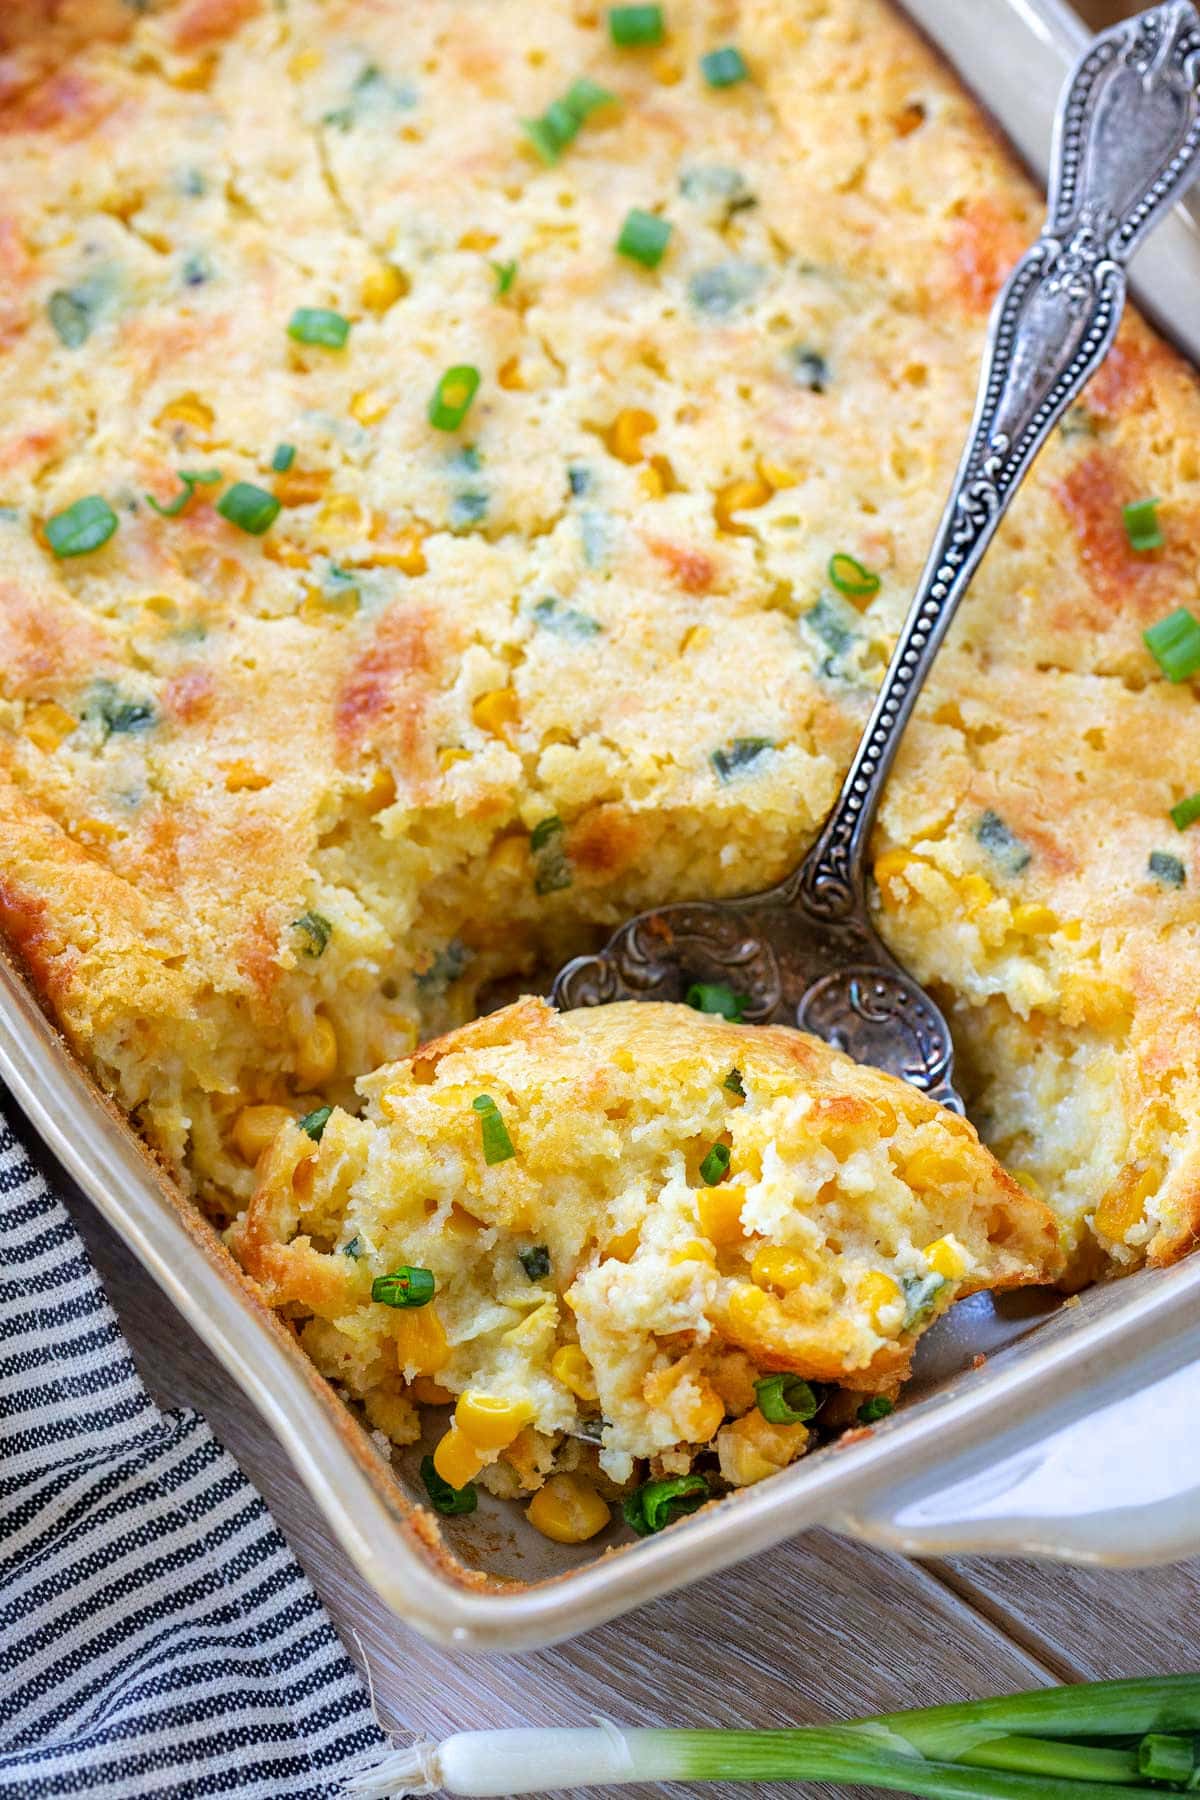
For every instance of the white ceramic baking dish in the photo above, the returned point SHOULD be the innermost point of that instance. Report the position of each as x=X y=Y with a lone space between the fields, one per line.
x=1073 y=1439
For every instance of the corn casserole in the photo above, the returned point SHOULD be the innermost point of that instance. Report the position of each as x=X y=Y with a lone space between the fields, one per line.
x=463 y=466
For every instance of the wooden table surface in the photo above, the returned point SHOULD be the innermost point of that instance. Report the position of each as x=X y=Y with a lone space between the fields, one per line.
x=820 y=1628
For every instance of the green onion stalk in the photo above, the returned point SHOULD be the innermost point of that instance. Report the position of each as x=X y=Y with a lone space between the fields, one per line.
x=1095 y=1741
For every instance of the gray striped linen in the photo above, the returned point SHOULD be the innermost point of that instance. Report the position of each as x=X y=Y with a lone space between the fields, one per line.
x=156 y=1635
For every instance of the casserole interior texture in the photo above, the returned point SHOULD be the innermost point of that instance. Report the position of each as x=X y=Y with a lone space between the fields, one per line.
x=324 y=703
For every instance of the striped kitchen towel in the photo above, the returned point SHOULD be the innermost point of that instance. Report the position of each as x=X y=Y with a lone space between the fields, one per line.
x=156 y=1635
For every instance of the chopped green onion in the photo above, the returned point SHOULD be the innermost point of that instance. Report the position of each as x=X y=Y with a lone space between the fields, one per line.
x=644 y=237
x=551 y=864
x=124 y=715
x=191 y=479
x=633 y=27
x=1002 y=843
x=248 y=507
x=506 y=274
x=497 y=1145
x=1186 y=811
x=715 y=1166
x=786 y=1400
x=723 y=68
x=314 y=1123
x=1174 y=643
x=659 y=1503
x=1141 y=525
x=733 y=1081
x=403 y=1287
x=452 y=397
x=535 y=1262
x=850 y=578
x=560 y=124
x=283 y=457
x=353 y=1249
x=878 y=1407
x=717 y=997
x=83 y=526
x=1163 y=1758
x=451 y=1502
x=318 y=325
x=738 y=754
x=316 y=928
x=1166 y=868
x=809 y=368
x=921 y=1296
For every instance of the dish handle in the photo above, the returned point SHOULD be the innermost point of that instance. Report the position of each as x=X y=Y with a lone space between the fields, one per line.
x=1117 y=1484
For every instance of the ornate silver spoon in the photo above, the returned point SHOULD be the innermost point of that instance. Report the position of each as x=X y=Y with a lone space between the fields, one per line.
x=1127 y=144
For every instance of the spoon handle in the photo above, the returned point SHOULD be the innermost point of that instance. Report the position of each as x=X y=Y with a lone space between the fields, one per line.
x=1127 y=143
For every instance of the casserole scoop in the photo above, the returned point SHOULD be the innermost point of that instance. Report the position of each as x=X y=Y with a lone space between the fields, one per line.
x=805 y=952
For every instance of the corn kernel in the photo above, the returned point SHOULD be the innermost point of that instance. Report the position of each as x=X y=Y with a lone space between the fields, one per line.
x=451 y=754
x=929 y=1169
x=877 y=1291
x=739 y=496
x=422 y=1347
x=301 y=487
x=368 y=406
x=568 y=1510
x=256 y=1128
x=456 y=1459
x=945 y=1257
x=316 y=1051
x=290 y=555
x=622 y=1246
x=1031 y=920
x=95 y=831
x=775 y=1266
x=509 y=375
x=383 y=286
x=478 y=240
x=497 y=713
x=1091 y=1000
x=1124 y=1205
x=778 y=475
x=344 y=517
x=510 y=856
x=188 y=410
x=651 y=483
x=48 y=723
x=755 y=1318
x=626 y=432
x=428 y=1392
x=975 y=893
x=706 y=1416
x=695 y=1250
x=751 y=1448
x=696 y=637
x=242 y=777
x=489 y=1421
x=719 y=1211
x=403 y=552
x=890 y=867
x=570 y=1366
x=667 y=68
x=303 y=63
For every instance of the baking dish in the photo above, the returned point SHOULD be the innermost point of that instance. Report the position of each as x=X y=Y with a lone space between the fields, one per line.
x=1009 y=1456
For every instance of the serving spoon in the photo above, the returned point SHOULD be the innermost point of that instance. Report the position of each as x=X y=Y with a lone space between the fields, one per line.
x=805 y=952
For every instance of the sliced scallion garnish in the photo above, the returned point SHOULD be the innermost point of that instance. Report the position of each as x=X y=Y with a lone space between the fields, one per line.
x=453 y=396
x=717 y=997
x=715 y=1166
x=282 y=458
x=1186 y=811
x=1174 y=643
x=733 y=1081
x=535 y=1262
x=1141 y=525
x=404 y=1287
x=871 y=1411
x=248 y=507
x=786 y=1400
x=497 y=1145
x=849 y=576
x=314 y=1123
x=658 y=1504
x=190 y=479
x=451 y=1502
x=506 y=274
x=319 y=325
x=723 y=68
x=81 y=527
x=644 y=237
x=634 y=27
